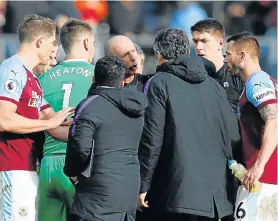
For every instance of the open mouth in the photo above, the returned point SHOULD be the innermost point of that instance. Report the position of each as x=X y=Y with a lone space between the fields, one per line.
x=133 y=68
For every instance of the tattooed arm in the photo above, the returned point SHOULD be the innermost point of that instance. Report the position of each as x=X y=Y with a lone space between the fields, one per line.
x=269 y=142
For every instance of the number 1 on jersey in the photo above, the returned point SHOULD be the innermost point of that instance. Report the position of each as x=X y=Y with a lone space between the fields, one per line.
x=67 y=88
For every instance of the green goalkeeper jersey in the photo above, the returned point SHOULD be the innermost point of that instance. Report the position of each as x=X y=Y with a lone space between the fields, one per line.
x=65 y=85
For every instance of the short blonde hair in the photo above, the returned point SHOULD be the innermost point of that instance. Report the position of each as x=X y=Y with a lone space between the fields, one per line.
x=35 y=25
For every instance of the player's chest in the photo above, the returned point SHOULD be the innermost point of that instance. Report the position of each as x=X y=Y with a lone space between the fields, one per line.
x=245 y=108
x=31 y=97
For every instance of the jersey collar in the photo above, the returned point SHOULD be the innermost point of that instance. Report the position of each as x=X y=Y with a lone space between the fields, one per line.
x=74 y=60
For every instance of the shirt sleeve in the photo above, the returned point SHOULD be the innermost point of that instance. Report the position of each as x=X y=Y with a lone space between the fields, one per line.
x=12 y=82
x=44 y=104
x=261 y=90
x=153 y=132
x=80 y=146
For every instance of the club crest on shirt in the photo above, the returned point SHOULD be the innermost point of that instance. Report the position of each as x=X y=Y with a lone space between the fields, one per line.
x=10 y=86
x=226 y=84
x=35 y=100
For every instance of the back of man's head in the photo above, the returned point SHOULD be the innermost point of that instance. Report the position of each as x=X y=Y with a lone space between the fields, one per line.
x=248 y=42
x=109 y=71
x=72 y=31
x=170 y=43
x=34 y=26
x=209 y=25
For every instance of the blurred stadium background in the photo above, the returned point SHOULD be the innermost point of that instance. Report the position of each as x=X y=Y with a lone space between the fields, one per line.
x=140 y=20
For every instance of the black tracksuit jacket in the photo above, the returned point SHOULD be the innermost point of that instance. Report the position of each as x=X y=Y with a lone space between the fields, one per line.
x=188 y=135
x=107 y=127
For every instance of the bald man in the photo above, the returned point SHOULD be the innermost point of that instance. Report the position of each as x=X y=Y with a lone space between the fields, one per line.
x=121 y=46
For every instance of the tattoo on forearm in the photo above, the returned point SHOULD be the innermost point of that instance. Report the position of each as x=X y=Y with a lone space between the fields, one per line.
x=269 y=112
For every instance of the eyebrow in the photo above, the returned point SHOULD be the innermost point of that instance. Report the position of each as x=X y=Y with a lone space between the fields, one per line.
x=199 y=39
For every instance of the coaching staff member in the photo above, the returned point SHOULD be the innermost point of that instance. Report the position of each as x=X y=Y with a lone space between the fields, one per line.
x=103 y=144
x=187 y=136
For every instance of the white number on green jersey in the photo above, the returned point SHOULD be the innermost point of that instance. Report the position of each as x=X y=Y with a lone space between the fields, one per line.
x=67 y=88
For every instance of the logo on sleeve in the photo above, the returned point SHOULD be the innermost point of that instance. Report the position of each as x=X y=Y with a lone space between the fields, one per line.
x=266 y=95
x=14 y=72
x=10 y=86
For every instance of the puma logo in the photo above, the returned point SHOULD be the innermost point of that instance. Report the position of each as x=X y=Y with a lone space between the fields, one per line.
x=15 y=73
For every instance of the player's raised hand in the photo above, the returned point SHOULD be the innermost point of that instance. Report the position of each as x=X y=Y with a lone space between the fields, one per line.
x=60 y=117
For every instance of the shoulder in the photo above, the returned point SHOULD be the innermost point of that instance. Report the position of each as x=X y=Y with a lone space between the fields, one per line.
x=260 y=88
x=160 y=77
x=157 y=83
x=91 y=66
x=13 y=69
x=217 y=87
x=12 y=64
x=45 y=75
x=86 y=103
x=259 y=81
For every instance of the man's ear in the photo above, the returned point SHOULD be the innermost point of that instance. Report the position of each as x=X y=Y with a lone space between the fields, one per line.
x=86 y=44
x=159 y=57
x=221 y=43
x=122 y=83
x=38 y=41
x=242 y=56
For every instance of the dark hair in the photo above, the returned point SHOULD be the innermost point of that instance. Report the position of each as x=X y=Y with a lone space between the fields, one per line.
x=72 y=30
x=171 y=43
x=109 y=71
x=34 y=25
x=248 y=41
x=209 y=25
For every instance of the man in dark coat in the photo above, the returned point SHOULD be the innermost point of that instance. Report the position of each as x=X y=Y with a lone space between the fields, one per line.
x=102 y=155
x=187 y=137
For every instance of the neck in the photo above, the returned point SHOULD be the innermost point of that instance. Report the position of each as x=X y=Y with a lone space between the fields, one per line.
x=129 y=79
x=249 y=70
x=28 y=56
x=76 y=53
x=218 y=62
x=71 y=57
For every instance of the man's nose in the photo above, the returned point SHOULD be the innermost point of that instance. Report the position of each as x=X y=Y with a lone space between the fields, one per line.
x=133 y=56
x=199 y=45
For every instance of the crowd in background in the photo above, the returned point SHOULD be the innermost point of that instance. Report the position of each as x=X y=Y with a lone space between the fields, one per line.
x=141 y=20
x=137 y=17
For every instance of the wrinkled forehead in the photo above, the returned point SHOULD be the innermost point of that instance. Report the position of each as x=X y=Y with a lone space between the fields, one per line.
x=120 y=48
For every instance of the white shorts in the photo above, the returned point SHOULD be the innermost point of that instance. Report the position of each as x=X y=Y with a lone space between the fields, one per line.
x=18 y=195
x=262 y=206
